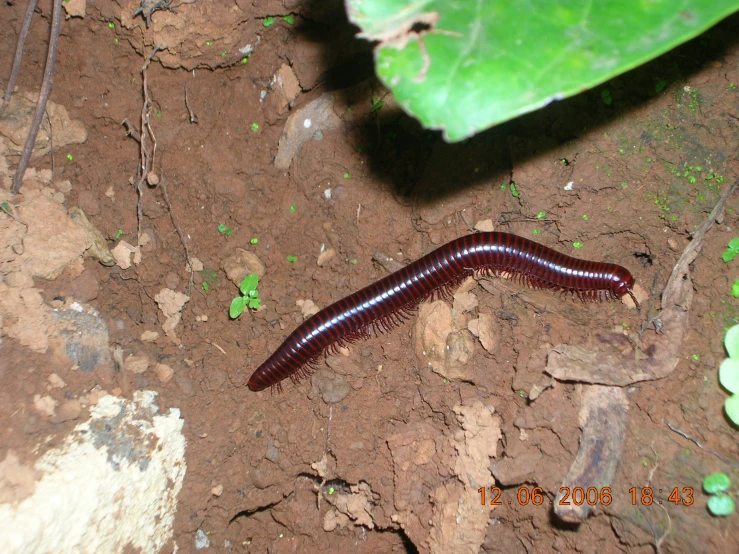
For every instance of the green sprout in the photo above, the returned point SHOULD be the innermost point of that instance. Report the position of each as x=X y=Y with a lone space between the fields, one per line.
x=293 y=209
x=249 y=296
x=331 y=490
x=255 y=127
x=111 y=25
x=731 y=252
x=355 y=261
x=728 y=373
x=245 y=60
x=70 y=157
x=696 y=357
x=660 y=86
x=119 y=234
x=584 y=217
x=347 y=176
x=268 y=21
x=576 y=245
x=541 y=215
x=115 y=40
x=209 y=278
x=289 y=19
x=292 y=259
x=224 y=54
x=605 y=95
x=514 y=190
x=225 y=230
x=624 y=185
x=735 y=288
x=377 y=103
x=255 y=240
x=720 y=503
x=5 y=206
x=209 y=43
x=536 y=231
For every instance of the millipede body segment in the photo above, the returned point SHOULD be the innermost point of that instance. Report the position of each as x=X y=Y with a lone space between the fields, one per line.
x=387 y=302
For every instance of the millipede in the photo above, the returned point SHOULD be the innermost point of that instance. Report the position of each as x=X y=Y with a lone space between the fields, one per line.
x=386 y=303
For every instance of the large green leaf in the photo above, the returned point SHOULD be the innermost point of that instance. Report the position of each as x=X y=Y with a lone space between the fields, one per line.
x=466 y=65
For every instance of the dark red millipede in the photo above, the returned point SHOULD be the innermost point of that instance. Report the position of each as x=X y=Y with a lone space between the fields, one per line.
x=388 y=302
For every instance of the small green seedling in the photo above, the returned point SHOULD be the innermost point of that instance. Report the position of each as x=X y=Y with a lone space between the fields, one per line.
x=293 y=209
x=268 y=21
x=206 y=286
x=720 y=503
x=209 y=278
x=731 y=252
x=70 y=157
x=514 y=190
x=111 y=25
x=119 y=234
x=660 y=86
x=209 y=43
x=289 y=19
x=225 y=230
x=245 y=60
x=292 y=259
x=347 y=176
x=377 y=103
x=735 y=288
x=255 y=240
x=728 y=373
x=576 y=245
x=605 y=95
x=536 y=231
x=584 y=217
x=6 y=208
x=255 y=127
x=249 y=296
x=541 y=215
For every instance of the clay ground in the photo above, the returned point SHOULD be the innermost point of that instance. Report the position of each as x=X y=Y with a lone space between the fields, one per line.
x=645 y=171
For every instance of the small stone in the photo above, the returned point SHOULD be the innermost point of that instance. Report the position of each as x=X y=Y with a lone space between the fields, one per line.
x=152 y=178
x=197 y=265
x=56 y=382
x=69 y=411
x=149 y=336
x=136 y=364
x=110 y=193
x=217 y=490
x=486 y=225
x=44 y=175
x=123 y=253
x=64 y=187
x=672 y=243
x=172 y=280
x=325 y=256
x=45 y=405
x=204 y=317
x=164 y=372
x=242 y=263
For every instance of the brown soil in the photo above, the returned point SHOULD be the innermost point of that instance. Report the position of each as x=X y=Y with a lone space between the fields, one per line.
x=281 y=462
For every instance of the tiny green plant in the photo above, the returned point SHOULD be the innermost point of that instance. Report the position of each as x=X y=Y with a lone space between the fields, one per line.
x=292 y=259
x=731 y=252
x=514 y=190
x=70 y=157
x=720 y=502
x=347 y=176
x=289 y=19
x=255 y=240
x=111 y=25
x=209 y=43
x=119 y=234
x=735 y=288
x=377 y=103
x=660 y=86
x=541 y=215
x=245 y=60
x=536 y=231
x=605 y=95
x=225 y=230
x=209 y=278
x=268 y=21
x=728 y=373
x=584 y=217
x=576 y=245
x=293 y=209
x=255 y=127
x=249 y=296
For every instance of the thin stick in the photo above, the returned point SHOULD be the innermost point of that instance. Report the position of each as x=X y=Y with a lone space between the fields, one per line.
x=43 y=96
x=699 y=445
x=146 y=161
x=176 y=226
x=22 y=36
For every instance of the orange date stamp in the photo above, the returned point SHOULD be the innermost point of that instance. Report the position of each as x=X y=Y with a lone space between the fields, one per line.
x=591 y=496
